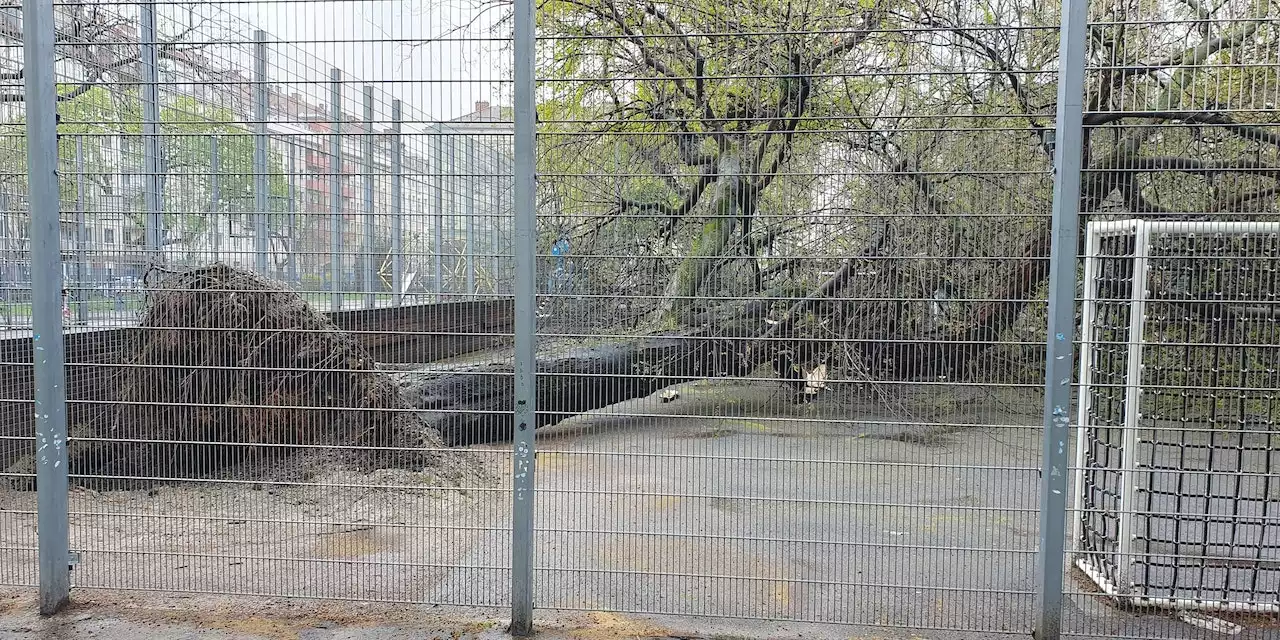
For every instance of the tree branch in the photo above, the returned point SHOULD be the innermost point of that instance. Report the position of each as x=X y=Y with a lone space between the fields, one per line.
x=802 y=94
x=831 y=286
x=1002 y=67
x=1192 y=165
x=1194 y=55
x=1248 y=132
x=95 y=74
x=690 y=201
x=1240 y=199
x=645 y=53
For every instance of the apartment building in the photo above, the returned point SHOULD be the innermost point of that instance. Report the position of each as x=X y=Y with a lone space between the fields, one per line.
x=454 y=185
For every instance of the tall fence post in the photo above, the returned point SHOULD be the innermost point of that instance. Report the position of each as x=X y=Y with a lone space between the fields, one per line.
x=437 y=168
x=151 y=197
x=454 y=206
x=522 y=460
x=500 y=218
x=215 y=195
x=370 y=300
x=470 y=181
x=46 y=306
x=397 y=207
x=1060 y=340
x=335 y=189
x=82 y=309
x=261 y=230
x=7 y=275
x=292 y=208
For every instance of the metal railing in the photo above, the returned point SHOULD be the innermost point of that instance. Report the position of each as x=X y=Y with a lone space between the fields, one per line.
x=724 y=312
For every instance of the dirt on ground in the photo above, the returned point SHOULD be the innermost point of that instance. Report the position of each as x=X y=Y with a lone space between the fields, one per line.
x=723 y=512
x=106 y=616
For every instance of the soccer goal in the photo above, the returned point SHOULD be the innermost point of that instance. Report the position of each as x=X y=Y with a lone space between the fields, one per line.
x=1177 y=481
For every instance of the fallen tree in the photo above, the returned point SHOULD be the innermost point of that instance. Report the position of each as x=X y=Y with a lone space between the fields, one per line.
x=473 y=404
x=227 y=368
x=728 y=184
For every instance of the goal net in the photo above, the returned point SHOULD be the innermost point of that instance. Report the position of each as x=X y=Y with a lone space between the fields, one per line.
x=1177 y=481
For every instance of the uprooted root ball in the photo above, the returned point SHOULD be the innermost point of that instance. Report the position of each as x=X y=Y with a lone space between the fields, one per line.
x=227 y=367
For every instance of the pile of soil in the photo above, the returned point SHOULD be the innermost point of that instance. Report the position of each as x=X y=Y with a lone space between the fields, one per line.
x=230 y=373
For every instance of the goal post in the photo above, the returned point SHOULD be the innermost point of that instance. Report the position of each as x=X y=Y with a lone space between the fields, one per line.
x=1177 y=474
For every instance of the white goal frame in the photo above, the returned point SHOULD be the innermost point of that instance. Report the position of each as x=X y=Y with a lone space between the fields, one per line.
x=1126 y=591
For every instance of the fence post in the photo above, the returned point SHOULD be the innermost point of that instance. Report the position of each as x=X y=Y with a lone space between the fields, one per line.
x=261 y=240
x=1060 y=340
x=370 y=300
x=470 y=181
x=437 y=168
x=522 y=460
x=82 y=309
x=335 y=189
x=7 y=278
x=499 y=220
x=454 y=207
x=292 y=209
x=151 y=196
x=397 y=220
x=46 y=306
x=215 y=195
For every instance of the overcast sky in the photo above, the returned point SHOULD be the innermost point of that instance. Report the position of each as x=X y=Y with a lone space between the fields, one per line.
x=386 y=43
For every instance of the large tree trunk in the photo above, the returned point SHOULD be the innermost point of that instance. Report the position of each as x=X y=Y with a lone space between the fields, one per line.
x=471 y=404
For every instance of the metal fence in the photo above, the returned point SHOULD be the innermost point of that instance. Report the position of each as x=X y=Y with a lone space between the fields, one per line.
x=953 y=317
x=244 y=162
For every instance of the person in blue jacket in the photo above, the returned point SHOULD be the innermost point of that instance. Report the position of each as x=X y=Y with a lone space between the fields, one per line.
x=559 y=251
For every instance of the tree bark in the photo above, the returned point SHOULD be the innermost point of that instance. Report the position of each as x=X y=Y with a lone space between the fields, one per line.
x=472 y=404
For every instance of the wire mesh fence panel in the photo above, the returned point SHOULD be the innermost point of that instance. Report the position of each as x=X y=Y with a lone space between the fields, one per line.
x=258 y=324
x=1174 y=517
x=790 y=285
x=18 y=541
x=792 y=310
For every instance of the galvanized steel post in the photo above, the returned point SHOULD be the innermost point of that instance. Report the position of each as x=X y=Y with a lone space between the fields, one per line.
x=48 y=356
x=335 y=189
x=153 y=200
x=261 y=230
x=1062 y=297
x=397 y=206
x=370 y=300
x=525 y=339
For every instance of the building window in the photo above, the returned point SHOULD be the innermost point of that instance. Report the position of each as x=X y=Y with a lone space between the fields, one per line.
x=108 y=236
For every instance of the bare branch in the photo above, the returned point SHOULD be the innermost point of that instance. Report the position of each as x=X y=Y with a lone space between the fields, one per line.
x=690 y=201
x=1192 y=165
x=1245 y=131
x=83 y=33
x=1240 y=199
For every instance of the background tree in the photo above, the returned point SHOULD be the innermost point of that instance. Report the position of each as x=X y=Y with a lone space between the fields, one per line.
x=196 y=182
x=201 y=182
x=865 y=186
x=721 y=148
